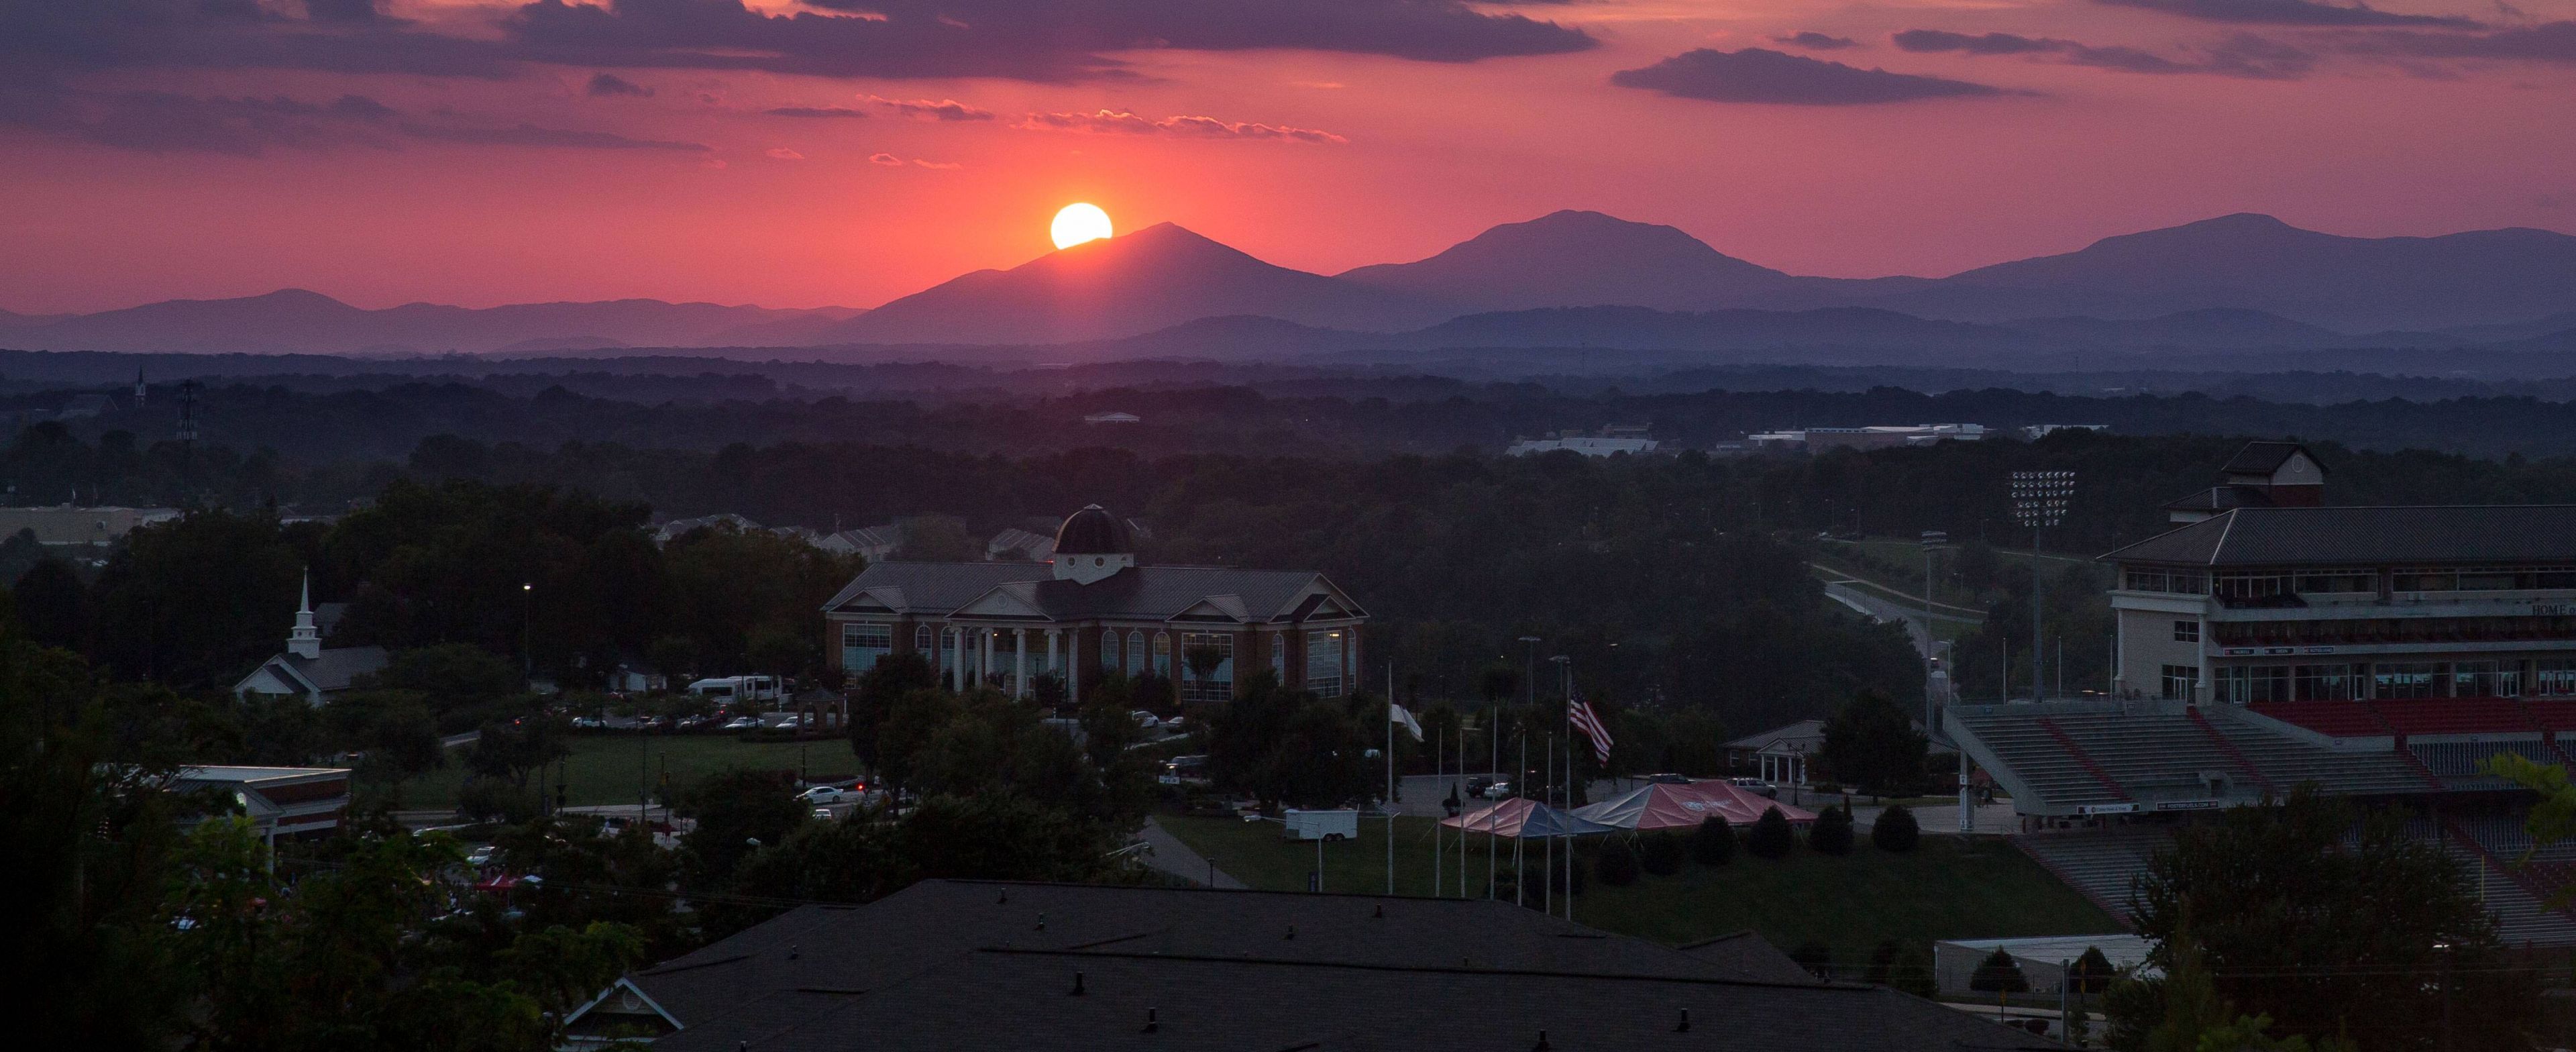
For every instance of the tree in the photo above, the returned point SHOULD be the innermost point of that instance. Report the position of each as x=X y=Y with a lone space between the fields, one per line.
x=1616 y=865
x=450 y=677
x=733 y=808
x=1912 y=972
x=1771 y=836
x=1874 y=745
x=1895 y=830
x=514 y=751
x=1713 y=843
x=1695 y=743
x=872 y=699
x=1832 y=833
x=1815 y=957
x=52 y=604
x=1999 y=974
x=1882 y=963
x=1202 y=661
x=1661 y=854
x=2279 y=898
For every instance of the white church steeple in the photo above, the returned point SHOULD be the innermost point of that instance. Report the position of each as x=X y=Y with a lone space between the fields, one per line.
x=306 y=640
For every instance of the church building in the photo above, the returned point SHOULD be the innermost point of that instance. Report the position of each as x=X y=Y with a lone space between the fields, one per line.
x=307 y=669
x=1090 y=610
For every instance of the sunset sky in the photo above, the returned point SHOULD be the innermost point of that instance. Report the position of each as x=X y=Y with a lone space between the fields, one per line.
x=851 y=151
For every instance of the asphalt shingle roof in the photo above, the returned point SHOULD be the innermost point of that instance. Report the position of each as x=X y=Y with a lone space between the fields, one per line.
x=1744 y=955
x=1011 y=999
x=2433 y=534
x=336 y=668
x=2264 y=458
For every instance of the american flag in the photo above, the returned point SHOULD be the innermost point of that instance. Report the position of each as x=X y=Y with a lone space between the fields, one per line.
x=1589 y=722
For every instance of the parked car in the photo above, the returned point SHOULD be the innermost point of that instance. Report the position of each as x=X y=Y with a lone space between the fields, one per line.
x=1174 y=724
x=589 y=723
x=742 y=723
x=1756 y=786
x=1145 y=719
x=823 y=813
x=1478 y=785
x=824 y=794
x=1497 y=791
x=1669 y=779
x=482 y=856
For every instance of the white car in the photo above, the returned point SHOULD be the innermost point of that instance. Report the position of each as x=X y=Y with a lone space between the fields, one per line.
x=1174 y=724
x=1145 y=719
x=824 y=794
x=1497 y=791
x=589 y=722
x=742 y=723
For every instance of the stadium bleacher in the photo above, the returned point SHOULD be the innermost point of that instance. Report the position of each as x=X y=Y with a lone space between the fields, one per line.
x=2103 y=865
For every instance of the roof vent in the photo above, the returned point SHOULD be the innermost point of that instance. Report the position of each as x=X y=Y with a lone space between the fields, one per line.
x=1685 y=1027
x=794 y=951
x=1153 y=1024
x=1041 y=922
x=1381 y=911
x=1005 y=900
x=1077 y=984
x=1292 y=931
x=1542 y=1045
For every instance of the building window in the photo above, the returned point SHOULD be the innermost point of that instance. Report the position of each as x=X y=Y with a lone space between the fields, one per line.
x=1279 y=660
x=2252 y=684
x=2556 y=677
x=2485 y=679
x=2186 y=631
x=2403 y=680
x=921 y=638
x=2338 y=581
x=862 y=643
x=2321 y=683
x=1109 y=650
x=2183 y=582
x=1136 y=652
x=1218 y=685
x=1324 y=663
x=1163 y=654
x=2179 y=681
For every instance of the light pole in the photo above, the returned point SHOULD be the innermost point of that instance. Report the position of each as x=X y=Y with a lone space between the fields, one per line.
x=528 y=628
x=1932 y=540
x=2039 y=502
x=1565 y=681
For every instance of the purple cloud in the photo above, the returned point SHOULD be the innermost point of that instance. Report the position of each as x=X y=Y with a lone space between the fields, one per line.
x=2244 y=55
x=2290 y=13
x=1814 y=41
x=1766 y=76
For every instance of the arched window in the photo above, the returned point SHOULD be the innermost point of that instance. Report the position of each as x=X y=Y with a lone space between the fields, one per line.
x=1109 y=650
x=921 y=637
x=1136 y=652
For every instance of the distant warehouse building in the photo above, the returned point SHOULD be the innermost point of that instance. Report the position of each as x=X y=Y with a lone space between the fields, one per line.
x=2378 y=653
x=1878 y=436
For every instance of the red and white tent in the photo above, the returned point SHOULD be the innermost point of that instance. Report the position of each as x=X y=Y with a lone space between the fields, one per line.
x=1519 y=818
x=1661 y=805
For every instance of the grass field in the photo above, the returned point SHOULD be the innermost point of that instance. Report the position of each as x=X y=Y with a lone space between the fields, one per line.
x=1947 y=888
x=603 y=768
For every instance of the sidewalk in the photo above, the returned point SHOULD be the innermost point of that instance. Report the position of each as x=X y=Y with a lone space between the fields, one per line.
x=1171 y=856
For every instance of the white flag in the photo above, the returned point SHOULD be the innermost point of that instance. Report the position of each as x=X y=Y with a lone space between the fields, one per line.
x=1395 y=714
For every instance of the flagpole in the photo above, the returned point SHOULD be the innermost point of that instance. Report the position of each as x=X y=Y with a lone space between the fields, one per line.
x=1520 y=869
x=1390 y=777
x=1438 y=843
x=1547 y=898
x=1493 y=746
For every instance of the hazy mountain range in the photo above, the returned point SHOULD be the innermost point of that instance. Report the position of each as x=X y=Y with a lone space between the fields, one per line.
x=1568 y=279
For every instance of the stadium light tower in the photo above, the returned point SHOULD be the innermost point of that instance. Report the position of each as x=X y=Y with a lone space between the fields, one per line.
x=2039 y=502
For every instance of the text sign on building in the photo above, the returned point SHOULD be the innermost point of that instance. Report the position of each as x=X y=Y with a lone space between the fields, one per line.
x=2108 y=809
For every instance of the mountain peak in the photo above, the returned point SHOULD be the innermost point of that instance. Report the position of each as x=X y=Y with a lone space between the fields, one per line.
x=1577 y=258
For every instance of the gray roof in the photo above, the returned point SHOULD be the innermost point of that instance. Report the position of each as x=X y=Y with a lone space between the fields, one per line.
x=1142 y=592
x=1745 y=955
x=2499 y=533
x=338 y=667
x=1799 y=731
x=1024 y=998
x=2221 y=498
x=2264 y=458
x=870 y=946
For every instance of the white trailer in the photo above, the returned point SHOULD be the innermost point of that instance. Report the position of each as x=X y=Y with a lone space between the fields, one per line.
x=1320 y=825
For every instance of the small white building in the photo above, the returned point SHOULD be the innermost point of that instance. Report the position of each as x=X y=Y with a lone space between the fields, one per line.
x=307 y=669
x=2043 y=959
x=1113 y=418
x=1780 y=754
x=280 y=801
x=1588 y=445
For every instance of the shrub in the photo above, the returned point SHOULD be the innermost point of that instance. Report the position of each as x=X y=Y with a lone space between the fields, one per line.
x=495 y=800
x=1662 y=854
x=1913 y=972
x=1998 y=974
x=1832 y=833
x=1882 y=963
x=1895 y=829
x=1771 y=836
x=1616 y=865
x=1713 y=843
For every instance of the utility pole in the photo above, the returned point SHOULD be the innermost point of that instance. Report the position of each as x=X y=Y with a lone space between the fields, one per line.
x=2039 y=502
x=1932 y=539
x=187 y=437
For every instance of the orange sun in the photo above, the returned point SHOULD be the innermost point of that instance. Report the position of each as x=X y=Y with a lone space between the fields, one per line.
x=1077 y=223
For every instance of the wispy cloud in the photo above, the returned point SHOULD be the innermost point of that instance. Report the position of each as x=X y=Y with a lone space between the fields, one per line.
x=1814 y=41
x=815 y=111
x=1120 y=122
x=2290 y=13
x=925 y=109
x=2242 y=55
x=784 y=154
x=607 y=84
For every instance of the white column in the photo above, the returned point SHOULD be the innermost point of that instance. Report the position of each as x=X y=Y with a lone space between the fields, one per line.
x=984 y=670
x=952 y=653
x=1054 y=662
x=1019 y=662
x=1073 y=669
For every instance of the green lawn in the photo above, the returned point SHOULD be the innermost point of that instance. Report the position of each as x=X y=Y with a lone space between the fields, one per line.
x=604 y=769
x=1947 y=888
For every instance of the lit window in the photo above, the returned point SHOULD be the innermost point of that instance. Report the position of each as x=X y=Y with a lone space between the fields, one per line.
x=862 y=643
x=1163 y=654
x=1324 y=663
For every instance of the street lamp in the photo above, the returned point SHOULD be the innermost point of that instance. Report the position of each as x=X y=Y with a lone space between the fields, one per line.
x=1565 y=679
x=2039 y=502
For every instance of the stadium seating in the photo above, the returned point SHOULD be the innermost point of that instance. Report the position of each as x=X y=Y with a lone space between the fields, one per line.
x=2334 y=719
x=2103 y=865
x=2454 y=716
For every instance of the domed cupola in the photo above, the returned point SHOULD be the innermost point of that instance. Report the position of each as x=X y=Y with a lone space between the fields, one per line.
x=1091 y=545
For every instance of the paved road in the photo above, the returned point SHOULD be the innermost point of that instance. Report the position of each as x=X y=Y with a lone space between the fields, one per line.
x=1168 y=854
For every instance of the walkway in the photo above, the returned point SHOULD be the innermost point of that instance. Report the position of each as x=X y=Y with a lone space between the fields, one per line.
x=1167 y=853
